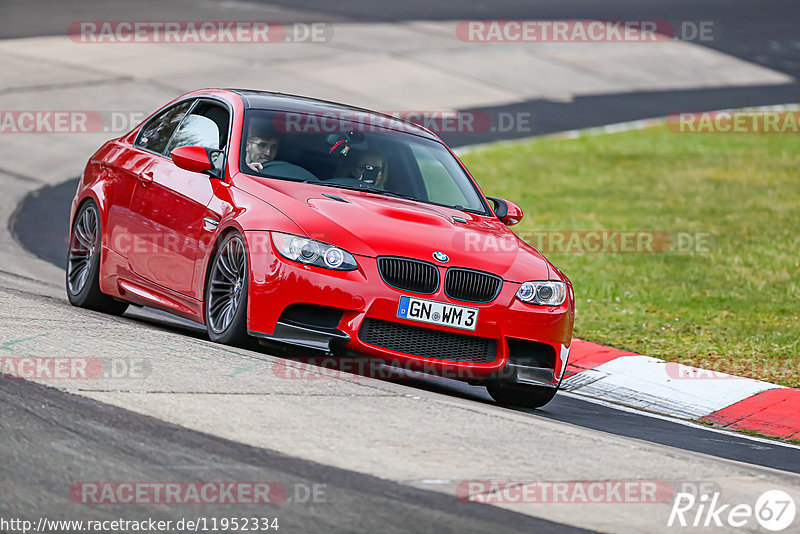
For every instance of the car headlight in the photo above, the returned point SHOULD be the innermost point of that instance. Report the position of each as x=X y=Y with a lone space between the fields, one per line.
x=311 y=252
x=550 y=293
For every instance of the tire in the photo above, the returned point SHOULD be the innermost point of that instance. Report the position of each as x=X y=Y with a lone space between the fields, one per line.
x=521 y=396
x=83 y=264
x=226 y=293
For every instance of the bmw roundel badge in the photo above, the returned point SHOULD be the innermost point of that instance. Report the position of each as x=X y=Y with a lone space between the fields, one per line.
x=441 y=256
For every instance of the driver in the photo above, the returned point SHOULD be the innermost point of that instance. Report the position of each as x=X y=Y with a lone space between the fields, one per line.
x=261 y=147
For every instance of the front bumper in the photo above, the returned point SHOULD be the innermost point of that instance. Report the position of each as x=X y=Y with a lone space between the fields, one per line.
x=531 y=343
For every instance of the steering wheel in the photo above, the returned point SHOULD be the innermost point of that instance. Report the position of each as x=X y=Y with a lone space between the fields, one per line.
x=284 y=169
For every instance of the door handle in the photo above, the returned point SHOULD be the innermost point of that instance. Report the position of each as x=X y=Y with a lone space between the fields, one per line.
x=146 y=177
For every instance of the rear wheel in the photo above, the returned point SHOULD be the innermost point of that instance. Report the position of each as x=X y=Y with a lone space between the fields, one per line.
x=83 y=264
x=521 y=396
x=226 y=293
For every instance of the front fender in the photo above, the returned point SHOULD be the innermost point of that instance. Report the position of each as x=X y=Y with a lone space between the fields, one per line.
x=239 y=211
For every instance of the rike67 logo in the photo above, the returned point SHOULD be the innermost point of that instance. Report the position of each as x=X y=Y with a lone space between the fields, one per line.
x=774 y=510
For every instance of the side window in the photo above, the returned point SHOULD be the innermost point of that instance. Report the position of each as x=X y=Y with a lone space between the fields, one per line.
x=156 y=134
x=206 y=126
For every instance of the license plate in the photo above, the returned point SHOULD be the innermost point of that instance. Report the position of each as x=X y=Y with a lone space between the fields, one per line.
x=430 y=311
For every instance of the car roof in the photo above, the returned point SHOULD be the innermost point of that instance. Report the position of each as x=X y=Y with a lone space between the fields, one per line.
x=302 y=104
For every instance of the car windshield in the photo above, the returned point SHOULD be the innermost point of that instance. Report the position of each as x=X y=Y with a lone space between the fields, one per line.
x=355 y=153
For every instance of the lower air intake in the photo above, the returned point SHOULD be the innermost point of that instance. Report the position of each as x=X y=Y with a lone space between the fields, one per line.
x=427 y=343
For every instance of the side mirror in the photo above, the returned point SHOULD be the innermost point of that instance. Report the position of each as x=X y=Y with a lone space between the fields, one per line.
x=196 y=159
x=505 y=210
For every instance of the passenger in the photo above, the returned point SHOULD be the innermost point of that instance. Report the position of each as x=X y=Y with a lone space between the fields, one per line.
x=369 y=168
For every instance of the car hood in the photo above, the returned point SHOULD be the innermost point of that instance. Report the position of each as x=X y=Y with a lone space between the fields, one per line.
x=373 y=225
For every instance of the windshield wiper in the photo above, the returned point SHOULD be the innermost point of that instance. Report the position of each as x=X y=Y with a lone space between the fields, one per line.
x=459 y=207
x=375 y=190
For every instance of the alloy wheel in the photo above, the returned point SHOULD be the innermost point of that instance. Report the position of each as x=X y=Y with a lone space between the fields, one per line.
x=82 y=248
x=226 y=284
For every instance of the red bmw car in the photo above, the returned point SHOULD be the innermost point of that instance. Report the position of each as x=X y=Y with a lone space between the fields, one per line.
x=304 y=223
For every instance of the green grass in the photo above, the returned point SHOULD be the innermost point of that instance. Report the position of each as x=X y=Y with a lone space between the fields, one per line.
x=760 y=435
x=734 y=308
x=748 y=432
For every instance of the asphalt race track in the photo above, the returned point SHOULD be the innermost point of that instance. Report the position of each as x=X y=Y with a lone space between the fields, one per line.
x=389 y=454
x=45 y=238
x=763 y=33
x=65 y=437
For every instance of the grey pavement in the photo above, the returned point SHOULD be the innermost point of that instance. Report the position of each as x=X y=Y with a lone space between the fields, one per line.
x=417 y=438
x=408 y=436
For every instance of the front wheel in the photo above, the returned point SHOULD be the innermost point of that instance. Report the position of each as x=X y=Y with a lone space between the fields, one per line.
x=83 y=264
x=226 y=293
x=521 y=396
